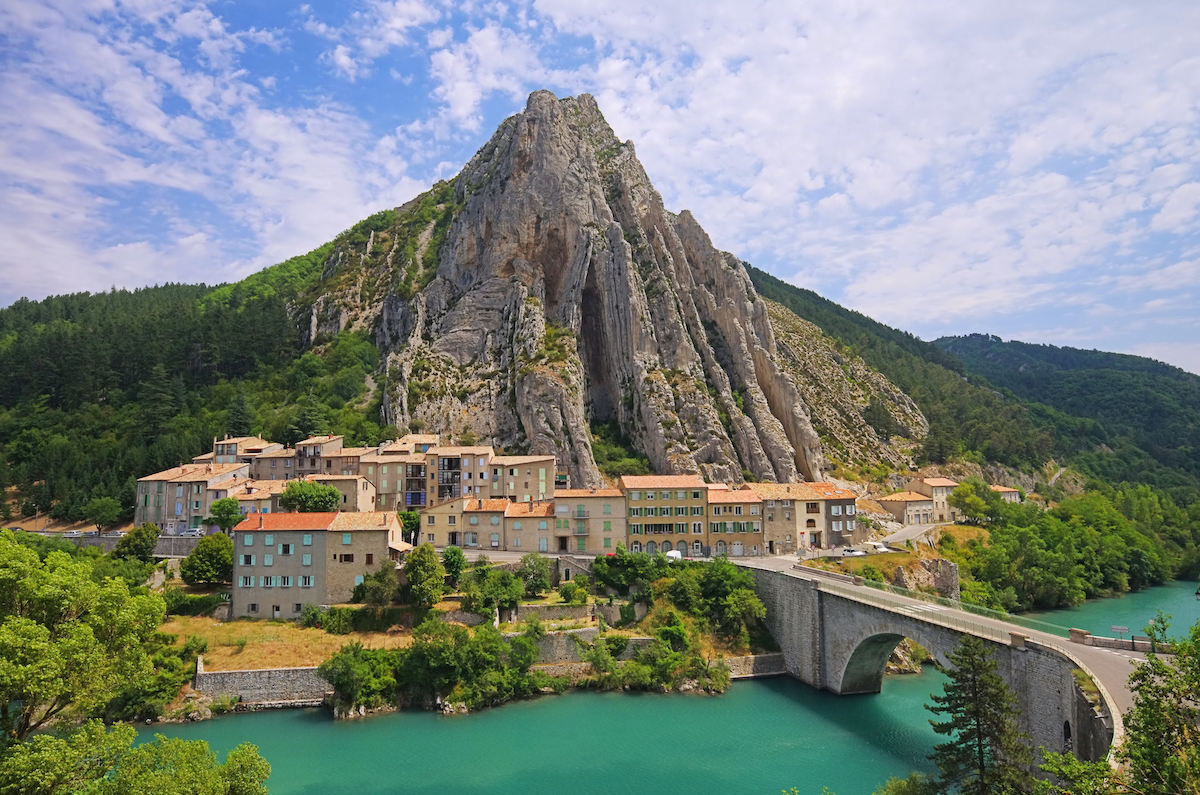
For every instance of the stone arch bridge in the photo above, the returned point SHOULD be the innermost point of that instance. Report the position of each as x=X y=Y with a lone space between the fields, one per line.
x=837 y=635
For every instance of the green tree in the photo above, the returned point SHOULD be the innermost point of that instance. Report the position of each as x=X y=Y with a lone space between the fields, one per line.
x=239 y=420
x=225 y=513
x=534 y=574
x=986 y=754
x=426 y=576
x=102 y=512
x=311 y=419
x=976 y=501
x=879 y=418
x=454 y=561
x=1162 y=745
x=410 y=521
x=210 y=562
x=139 y=543
x=68 y=643
x=379 y=587
x=306 y=496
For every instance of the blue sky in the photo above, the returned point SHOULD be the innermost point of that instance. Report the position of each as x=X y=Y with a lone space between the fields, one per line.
x=1027 y=169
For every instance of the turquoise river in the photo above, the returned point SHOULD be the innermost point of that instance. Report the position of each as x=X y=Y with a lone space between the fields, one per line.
x=762 y=736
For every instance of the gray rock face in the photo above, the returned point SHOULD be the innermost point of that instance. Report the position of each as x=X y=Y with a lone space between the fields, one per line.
x=565 y=294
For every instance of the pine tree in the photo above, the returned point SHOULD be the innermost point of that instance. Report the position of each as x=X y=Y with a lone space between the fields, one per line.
x=986 y=753
x=310 y=420
x=239 y=420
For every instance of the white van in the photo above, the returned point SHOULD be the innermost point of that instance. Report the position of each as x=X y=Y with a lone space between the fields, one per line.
x=876 y=547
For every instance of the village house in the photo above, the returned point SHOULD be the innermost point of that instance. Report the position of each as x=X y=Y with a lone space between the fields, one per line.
x=937 y=489
x=283 y=561
x=908 y=507
x=735 y=526
x=522 y=478
x=317 y=455
x=274 y=465
x=595 y=518
x=179 y=498
x=258 y=496
x=236 y=450
x=528 y=528
x=666 y=512
x=800 y=516
x=1006 y=493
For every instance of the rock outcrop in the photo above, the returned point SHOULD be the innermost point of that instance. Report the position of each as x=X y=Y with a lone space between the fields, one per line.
x=546 y=289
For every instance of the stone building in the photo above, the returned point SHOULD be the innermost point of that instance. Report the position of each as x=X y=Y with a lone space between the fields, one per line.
x=908 y=507
x=179 y=498
x=937 y=489
x=528 y=527
x=595 y=518
x=735 y=526
x=1007 y=493
x=282 y=561
x=666 y=512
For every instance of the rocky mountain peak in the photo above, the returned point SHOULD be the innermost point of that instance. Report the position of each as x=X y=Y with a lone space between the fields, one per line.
x=546 y=289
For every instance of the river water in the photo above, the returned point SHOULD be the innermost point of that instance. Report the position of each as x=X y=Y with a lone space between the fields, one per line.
x=762 y=736
x=1133 y=610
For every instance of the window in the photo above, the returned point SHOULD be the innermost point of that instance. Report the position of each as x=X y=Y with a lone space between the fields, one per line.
x=517 y=542
x=247 y=560
x=285 y=582
x=267 y=582
x=737 y=510
x=607 y=509
x=451 y=520
x=635 y=529
x=358 y=579
x=635 y=495
x=837 y=526
x=252 y=607
x=268 y=539
x=287 y=549
x=471 y=539
x=581 y=544
x=542 y=526
x=495 y=520
x=607 y=526
x=850 y=525
x=542 y=544
x=429 y=537
x=431 y=520
x=346 y=539
x=495 y=539
x=267 y=560
x=307 y=540
x=849 y=510
x=681 y=527
x=306 y=559
x=349 y=558
x=296 y=607
x=306 y=581
x=248 y=539
x=697 y=528
x=836 y=510
x=370 y=558
x=811 y=507
x=473 y=520
x=247 y=582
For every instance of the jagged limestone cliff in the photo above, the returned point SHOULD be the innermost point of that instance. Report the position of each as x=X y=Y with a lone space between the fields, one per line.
x=546 y=288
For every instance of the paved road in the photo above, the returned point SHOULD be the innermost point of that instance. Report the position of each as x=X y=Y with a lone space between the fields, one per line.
x=909 y=532
x=1110 y=667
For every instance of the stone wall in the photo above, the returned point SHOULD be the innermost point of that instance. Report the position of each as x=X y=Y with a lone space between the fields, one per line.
x=555 y=612
x=755 y=665
x=563 y=647
x=279 y=686
x=1136 y=643
x=167 y=546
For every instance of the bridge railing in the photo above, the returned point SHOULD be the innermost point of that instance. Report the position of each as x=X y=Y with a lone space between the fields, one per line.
x=979 y=610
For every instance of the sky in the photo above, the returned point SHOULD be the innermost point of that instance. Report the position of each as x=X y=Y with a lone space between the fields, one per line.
x=1025 y=169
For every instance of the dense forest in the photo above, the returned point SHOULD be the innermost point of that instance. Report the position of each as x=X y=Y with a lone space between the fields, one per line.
x=1150 y=411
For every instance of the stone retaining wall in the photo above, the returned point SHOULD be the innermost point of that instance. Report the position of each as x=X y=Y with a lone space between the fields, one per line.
x=1085 y=638
x=755 y=665
x=264 y=686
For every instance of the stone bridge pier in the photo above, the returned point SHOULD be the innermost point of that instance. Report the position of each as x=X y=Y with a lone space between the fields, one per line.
x=838 y=637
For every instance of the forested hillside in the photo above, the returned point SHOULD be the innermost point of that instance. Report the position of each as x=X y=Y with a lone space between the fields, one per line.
x=1116 y=418
x=100 y=389
x=1150 y=411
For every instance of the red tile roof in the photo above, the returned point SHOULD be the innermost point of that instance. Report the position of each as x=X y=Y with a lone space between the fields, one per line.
x=576 y=493
x=904 y=496
x=662 y=482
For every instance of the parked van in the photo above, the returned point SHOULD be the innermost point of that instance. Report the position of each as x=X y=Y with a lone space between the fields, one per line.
x=876 y=547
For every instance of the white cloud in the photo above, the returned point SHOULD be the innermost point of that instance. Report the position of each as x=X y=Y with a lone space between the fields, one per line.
x=1179 y=211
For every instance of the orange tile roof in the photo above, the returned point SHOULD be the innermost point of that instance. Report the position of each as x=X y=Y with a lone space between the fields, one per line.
x=287 y=521
x=318 y=478
x=319 y=439
x=450 y=452
x=258 y=489
x=393 y=458
x=348 y=521
x=529 y=509
x=939 y=482
x=817 y=490
x=200 y=459
x=577 y=493
x=286 y=452
x=730 y=495
x=904 y=496
x=485 y=506
x=190 y=472
x=662 y=482
x=239 y=440
x=1003 y=489
x=353 y=451
x=517 y=460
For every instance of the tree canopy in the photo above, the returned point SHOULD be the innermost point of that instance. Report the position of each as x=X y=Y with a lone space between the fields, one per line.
x=306 y=496
x=426 y=576
x=210 y=562
x=138 y=544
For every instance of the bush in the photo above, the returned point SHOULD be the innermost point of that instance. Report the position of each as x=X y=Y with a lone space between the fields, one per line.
x=210 y=562
x=628 y=614
x=180 y=603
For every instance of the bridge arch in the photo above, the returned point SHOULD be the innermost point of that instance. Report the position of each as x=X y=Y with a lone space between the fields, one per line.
x=860 y=661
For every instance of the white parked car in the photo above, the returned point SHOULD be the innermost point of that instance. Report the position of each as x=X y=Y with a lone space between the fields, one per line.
x=848 y=552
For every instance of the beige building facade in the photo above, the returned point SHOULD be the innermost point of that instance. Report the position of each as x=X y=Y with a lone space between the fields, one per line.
x=595 y=519
x=666 y=513
x=179 y=498
x=908 y=507
x=938 y=490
